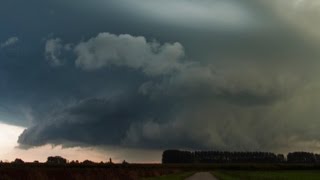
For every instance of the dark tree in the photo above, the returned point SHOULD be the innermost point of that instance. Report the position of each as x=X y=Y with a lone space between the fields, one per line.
x=303 y=157
x=176 y=156
x=88 y=162
x=18 y=161
x=57 y=160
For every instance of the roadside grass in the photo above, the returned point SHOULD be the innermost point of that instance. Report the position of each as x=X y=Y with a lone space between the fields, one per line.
x=268 y=175
x=178 y=176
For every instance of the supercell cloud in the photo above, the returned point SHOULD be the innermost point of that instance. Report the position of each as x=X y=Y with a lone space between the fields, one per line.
x=222 y=75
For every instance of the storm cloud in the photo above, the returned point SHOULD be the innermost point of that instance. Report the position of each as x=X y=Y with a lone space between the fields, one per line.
x=194 y=106
x=222 y=75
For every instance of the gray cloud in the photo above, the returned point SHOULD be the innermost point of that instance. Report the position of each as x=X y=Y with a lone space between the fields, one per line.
x=237 y=80
x=125 y=50
x=9 y=42
x=195 y=105
x=54 y=49
x=303 y=14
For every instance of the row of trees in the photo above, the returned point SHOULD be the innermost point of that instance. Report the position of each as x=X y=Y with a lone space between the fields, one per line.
x=177 y=156
x=303 y=157
x=58 y=160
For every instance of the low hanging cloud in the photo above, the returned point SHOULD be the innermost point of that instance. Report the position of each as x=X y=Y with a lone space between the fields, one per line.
x=242 y=101
x=181 y=104
x=9 y=42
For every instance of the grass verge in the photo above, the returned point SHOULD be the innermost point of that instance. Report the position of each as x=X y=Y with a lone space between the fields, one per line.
x=267 y=175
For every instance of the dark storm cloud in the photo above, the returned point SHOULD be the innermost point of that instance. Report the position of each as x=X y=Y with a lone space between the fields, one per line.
x=229 y=75
x=92 y=121
x=160 y=112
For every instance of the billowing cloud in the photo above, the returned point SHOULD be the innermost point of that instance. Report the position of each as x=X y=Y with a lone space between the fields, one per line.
x=125 y=50
x=224 y=75
x=182 y=103
x=9 y=42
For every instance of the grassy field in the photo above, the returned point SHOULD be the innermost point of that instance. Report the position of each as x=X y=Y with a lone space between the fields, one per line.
x=178 y=176
x=268 y=175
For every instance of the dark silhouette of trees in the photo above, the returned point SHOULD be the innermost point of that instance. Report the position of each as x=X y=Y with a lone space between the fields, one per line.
x=57 y=160
x=176 y=156
x=18 y=161
x=191 y=157
x=303 y=157
x=88 y=162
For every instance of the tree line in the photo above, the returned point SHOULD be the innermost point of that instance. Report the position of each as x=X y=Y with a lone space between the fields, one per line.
x=188 y=157
x=58 y=160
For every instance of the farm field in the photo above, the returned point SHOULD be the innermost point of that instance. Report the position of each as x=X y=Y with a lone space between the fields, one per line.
x=268 y=175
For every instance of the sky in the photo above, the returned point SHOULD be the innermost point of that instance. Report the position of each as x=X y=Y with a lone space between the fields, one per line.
x=128 y=79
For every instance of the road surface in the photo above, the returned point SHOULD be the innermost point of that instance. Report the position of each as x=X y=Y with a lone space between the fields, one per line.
x=202 y=176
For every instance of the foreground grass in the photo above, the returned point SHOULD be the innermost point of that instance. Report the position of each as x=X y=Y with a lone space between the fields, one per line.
x=267 y=175
x=179 y=176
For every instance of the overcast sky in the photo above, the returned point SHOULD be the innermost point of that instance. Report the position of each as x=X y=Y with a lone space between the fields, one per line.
x=130 y=78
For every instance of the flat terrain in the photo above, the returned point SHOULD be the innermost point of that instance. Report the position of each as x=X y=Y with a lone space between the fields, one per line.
x=202 y=176
x=268 y=175
x=176 y=176
x=100 y=171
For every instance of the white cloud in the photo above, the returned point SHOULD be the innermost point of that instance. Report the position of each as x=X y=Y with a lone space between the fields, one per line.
x=9 y=42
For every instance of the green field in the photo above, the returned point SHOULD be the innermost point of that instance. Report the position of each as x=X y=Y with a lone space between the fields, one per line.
x=178 y=176
x=267 y=175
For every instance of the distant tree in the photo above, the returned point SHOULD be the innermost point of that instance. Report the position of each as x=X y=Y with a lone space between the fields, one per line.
x=176 y=156
x=124 y=162
x=302 y=157
x=88 y=162
x=18 y=161
x=73 y=162
x=57 y=160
